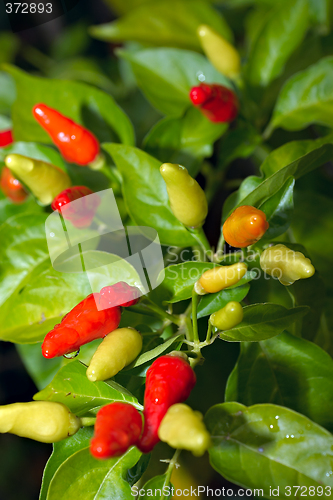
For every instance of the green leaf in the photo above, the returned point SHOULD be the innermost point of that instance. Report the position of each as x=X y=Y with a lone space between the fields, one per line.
x=236 y=198
x=182 y=140
x=180 y=279
x=40 y=369
x=281 y=34
x=144 y=188
x=238 y=143
x=287 y=371
x=312 y=225
x=166 y=23
x=82 y=103
x=213 y=302
x=320 y=13
x=161 y=483
x=154 y=353
x=268 y=447
x=71 y=387
x=81 y=475
x=290 y=152
x=166 y=76
x=263 y=321
x=306 y=98
x=279 y=210
x=7 y=92
x=35 y=151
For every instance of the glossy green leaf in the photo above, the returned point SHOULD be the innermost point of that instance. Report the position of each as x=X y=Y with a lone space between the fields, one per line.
x=71 y=387
x=83 y=476
x=238 y=143
x=236 y=198
x=7 y=92
x=144 y=188
x=40 y=369
x=281 y=34
x=166 y=76
x=279 y=210
x=212 y=302
x=180 y=279
x=155 y=486
x=9 y=209
x=306 y=98
x=266 y=447
x=287 y=371
x=85 y=105
x=166 y=23
x=154 y=353
x=263 y=321
x=290 y=152
x=180 y=140
x=312 y=225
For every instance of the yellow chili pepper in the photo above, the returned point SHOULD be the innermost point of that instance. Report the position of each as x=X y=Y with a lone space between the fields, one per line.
x=44 y=421
x=220 y=277
x=182 y=427
x=219 y=51
x=187 y=200
x=44 y=180
x=228 y=317
x=118 y=349
x=286 y=265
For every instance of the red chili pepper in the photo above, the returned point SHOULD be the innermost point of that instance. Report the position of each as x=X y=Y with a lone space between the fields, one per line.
x=76 y=143
x=219 y=104
x=80 y=213
x=12 y=187
x=170 y=380
x=6 y=138
x=118 y=426
x=118 y=293
x=81 y=325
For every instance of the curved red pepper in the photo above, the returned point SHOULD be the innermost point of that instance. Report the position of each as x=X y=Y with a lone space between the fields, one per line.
x=121 y=294
x=12 y=187
x=81 y=325
x=118 y=426
x=76 y=143
x=170 y=380
x=218 y=103
x=80 y=213
x=6 y=138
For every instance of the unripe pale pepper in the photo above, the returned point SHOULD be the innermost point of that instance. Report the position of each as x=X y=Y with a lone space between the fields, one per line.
x=219 y=51
x=44 y=421
x=118 y=349
x=118 y=426
x=228 y=317
x=220 y=277
x=286 y=265
x=183 y=428
x=76 y=143
x=245 y=226
x=170 y=380
x=12 y=187
x=187 y=200
x=216 y=102
x=80 y=213
x=44 y=180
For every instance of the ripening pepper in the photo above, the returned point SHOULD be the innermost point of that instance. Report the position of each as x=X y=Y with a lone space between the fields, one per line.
x=120 y=294
x=187 y=200
x=76 y=143
x=183 y=428
x=169 y=380
x=118 y=426
x=12 y=187
x=219 y=51
x=117 y=350
x=228 y=317
x=216 y=102
x=220 y=277
x=82 y=212
x=43 y=179
x=245 y=226
x=81 y=325
x=44 y=421
x=6 y=138
x=286 y=265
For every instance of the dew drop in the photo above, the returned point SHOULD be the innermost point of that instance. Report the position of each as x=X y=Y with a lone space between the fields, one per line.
x=329 y=473
x=287 y=436
x=277 y=417
x=260 y=450
x=201 y=77
x=72 y=355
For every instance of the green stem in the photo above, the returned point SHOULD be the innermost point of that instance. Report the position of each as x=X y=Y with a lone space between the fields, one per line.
x=209 y=331
x=201 y=238
x=171 y=466
x=88 y=421
x=195 y=300
x=220 y=244
x=158 y=310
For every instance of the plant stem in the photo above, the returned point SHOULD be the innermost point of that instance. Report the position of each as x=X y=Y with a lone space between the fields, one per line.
x=88 y=421
x=158 y=310
x=171 y=466
x=220 y=244
x=201 y=238
x=209 y=332
x=195 y=299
